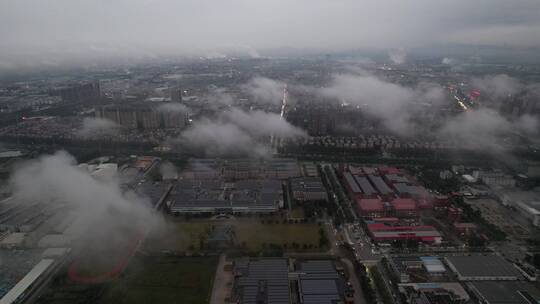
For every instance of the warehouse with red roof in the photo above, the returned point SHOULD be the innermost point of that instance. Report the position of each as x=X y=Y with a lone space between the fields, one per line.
x=370 y=207
x=383 y=233
x=405 y=207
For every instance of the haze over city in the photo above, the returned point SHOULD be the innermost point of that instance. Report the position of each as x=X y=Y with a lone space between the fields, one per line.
x=57 y=32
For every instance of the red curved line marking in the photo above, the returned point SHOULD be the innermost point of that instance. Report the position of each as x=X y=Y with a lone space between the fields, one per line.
x=73 y=270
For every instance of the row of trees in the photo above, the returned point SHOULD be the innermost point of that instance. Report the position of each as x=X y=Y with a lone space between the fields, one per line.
x=381 y=285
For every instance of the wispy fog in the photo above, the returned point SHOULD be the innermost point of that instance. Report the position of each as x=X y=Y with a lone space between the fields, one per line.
x=52 y=32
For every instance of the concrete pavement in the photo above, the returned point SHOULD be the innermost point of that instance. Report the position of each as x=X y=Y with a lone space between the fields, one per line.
x=358 y=292
x=221 y=289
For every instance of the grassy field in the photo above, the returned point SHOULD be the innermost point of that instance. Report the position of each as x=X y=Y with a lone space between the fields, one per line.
x=186 y=280
x=186 y=235
x=177 y=236
x=254 y=234
x=297 y=212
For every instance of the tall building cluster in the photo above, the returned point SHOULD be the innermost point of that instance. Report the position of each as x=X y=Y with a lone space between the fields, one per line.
x=140 y=116
x=83 y=92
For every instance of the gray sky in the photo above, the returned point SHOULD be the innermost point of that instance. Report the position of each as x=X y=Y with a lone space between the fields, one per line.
x=194 y=25
x=55 y=33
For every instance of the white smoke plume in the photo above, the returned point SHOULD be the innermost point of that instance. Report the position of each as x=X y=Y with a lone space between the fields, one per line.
x=448 y=61
x=98 y=127
x=265 y=90
x=236 y=132
x=168 y=170
x=56 y=181
x=260 y=124
x=398 y=56
x=221 y=139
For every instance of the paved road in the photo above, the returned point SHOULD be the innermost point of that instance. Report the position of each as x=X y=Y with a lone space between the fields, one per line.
x=336 y=250
x=363 y=248
x=221 y=289
x=358 y=292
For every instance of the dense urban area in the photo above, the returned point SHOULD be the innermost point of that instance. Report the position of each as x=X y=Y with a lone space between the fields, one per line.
x=319 y=179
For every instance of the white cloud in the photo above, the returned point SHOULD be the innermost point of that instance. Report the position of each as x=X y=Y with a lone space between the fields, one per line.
x=265 y=90
x=394 y=105
x=236 y=132
x=55 y=180
x=97 y=127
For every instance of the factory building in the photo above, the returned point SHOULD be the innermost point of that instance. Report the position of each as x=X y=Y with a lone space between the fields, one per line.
x=320 y=283
x=482 y=268
x=404 y=207
x=262 y=281
x=401 y=266
x=385 y=183
x=394 y=178
x=202 y=168
x=33 y=280
x=367 y=189
x=359 y=186
x=413 y=268
x=241 y=169
x=269 y=281
x=352 y=186
x=281 y=168
x=434 y=293
x=381 y=186
x=494 y=178
x=386 y=234
x=507 y=292
x=433 y=266
x=308 y=189
x=376 y=208
x=238 y=169
x=216 y=196
x=371 y=208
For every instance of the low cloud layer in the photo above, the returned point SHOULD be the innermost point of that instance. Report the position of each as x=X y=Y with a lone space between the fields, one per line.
x=236 y=132
x=497 y=87
x=56 y=181
x=481 y=129
x=97 y=127
x=394 y=105
x=265 y=90
x=398 y=56
x=404 y=110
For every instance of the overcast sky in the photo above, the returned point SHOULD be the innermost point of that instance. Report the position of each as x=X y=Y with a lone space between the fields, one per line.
x=196 y=25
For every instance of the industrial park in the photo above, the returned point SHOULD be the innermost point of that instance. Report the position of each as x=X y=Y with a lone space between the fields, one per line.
x=263 y=152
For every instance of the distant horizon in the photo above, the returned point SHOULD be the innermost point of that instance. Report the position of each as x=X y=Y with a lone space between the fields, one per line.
x=57 y=32
x=29 y=62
